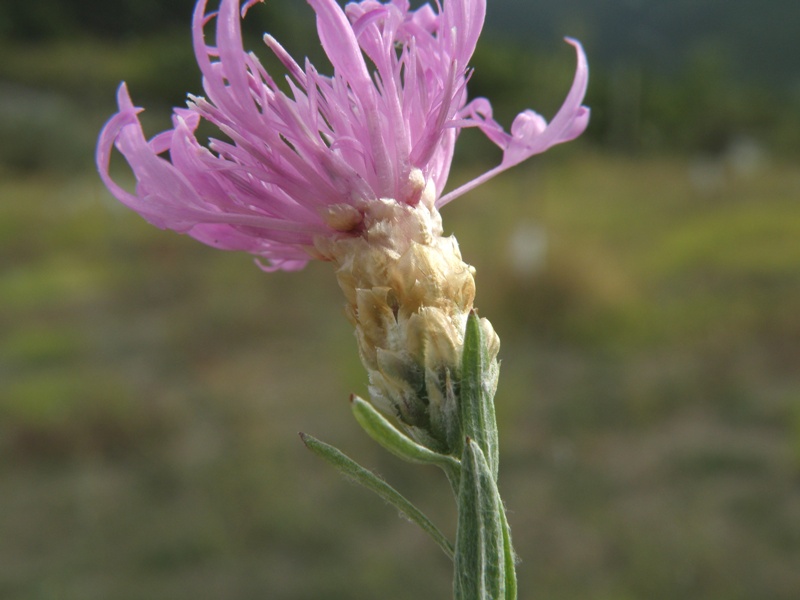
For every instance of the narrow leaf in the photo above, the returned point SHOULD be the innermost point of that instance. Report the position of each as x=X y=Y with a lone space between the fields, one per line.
x=387 y=435
x=478 y=379
x=352 y=470
x=480 y=553
x=509 y=559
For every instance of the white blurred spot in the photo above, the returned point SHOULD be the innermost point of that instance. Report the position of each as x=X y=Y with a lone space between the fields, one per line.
x=742 y=158
x=745 y=156
x=527 y=249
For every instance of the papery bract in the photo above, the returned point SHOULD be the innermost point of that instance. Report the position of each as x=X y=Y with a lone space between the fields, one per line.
x=305 y=163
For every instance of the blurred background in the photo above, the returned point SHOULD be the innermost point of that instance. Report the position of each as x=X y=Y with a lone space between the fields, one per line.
x=645 y=283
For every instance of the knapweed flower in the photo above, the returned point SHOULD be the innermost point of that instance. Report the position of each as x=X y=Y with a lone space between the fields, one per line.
x=349 y=167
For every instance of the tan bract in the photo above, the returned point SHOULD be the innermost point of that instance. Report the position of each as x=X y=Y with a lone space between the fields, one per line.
x=408 y=295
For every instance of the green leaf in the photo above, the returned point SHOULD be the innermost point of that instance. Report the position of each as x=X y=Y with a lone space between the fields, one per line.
x=480 y=558
x=352 y=470
x=509 y=560
x=478 y=381
x=398 y=443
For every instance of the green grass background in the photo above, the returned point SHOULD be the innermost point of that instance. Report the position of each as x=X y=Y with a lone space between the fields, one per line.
x=151 y=389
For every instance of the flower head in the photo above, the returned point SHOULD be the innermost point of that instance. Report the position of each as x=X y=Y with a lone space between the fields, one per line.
x=305 y=164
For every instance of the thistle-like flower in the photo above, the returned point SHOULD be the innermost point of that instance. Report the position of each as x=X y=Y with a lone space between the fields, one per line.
x=350 y=168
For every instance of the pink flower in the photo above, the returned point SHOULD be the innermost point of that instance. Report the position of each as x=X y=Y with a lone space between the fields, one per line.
x=298 y=165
